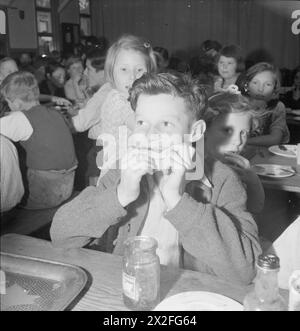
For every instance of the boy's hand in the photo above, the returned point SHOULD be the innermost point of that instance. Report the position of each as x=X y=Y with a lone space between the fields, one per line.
x=181 y=161
x=61 y=101
x=134 y=166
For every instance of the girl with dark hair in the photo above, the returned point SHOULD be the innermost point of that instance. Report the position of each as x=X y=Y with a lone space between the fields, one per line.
x=230 y=64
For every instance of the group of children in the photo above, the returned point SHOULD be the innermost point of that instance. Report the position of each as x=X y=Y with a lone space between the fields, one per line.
x=205 y=224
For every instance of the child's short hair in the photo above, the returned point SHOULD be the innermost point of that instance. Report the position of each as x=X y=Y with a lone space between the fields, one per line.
x=72 y=60
x=129 y=42
x=6 y=59
x=225 y=103
x=235 y=52
x=97 y=58
x=176 y=84
x=20 y=85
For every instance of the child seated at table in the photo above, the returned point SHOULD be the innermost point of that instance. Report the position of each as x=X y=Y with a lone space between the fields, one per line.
x=229 y=121
x=77 y=82
x=46 y=139
x=261 y=85
x=213 y=234
x=12 y=188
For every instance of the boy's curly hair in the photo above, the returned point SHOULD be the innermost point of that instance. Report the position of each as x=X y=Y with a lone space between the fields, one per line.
x=175 y=84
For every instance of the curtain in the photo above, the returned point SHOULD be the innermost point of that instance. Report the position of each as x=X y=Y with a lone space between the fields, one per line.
x=182 y=25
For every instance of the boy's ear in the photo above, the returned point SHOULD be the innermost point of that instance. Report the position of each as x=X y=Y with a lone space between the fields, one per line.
x=197 y=131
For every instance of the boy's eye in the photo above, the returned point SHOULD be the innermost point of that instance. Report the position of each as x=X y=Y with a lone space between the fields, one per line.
x=166 y=124
x=140 y=122
x=228 y=131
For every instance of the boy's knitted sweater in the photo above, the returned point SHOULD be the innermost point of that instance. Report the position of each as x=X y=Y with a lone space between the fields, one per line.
x=218 y=234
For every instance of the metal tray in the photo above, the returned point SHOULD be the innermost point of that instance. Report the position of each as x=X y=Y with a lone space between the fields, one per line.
x=33 y=284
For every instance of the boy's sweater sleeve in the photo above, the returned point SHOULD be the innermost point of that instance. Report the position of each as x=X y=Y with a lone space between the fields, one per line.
x=222 y=237
x=87 y=216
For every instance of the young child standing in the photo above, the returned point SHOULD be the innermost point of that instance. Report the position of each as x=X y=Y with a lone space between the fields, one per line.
x=229 y=120
x=46 y=138
x=214 y=234
x=127 y=59
x=261 y=85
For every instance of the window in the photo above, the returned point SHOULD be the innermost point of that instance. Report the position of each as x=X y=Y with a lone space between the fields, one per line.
x=2 y=22
x=44 y=26
x=85 y=18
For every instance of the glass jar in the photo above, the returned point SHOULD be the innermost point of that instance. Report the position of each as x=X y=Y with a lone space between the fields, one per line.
x=141 y=273
x=265 y=295
x=294 y=291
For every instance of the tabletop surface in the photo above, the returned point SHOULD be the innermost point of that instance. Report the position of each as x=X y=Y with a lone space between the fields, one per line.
x=104 y=288
x=290 y=184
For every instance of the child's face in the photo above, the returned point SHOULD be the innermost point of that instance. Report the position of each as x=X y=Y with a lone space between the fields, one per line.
x=297 y=79
x=227 y=67
x=76 y=69
x=7 y=68
x=163 y=114
x=129 y=66
x=228 y=133
x=58 y=77
x=262 y=85
x=95 y=78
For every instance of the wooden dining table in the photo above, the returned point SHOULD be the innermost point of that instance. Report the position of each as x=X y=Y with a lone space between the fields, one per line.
x=103 y=291
x=288 y=184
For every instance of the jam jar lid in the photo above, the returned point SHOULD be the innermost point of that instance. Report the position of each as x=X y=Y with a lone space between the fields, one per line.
x=268 y=261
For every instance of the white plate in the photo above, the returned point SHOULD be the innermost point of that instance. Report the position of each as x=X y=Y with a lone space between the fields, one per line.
x=291 y=150
x=295 y=112
x=273 y=170
x=198 y=301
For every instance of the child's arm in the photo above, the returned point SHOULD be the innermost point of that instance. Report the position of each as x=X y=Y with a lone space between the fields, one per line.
x=254 y=188
x=16 y=126
x=73 y=91
x=89 y=215
x=222 y=236
x=91 y=114
x=274 y=138
x=278 y=129
x=52 y=98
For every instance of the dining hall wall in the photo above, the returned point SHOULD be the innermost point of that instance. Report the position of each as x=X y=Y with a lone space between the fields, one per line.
x=181 y=25
x=22 y=31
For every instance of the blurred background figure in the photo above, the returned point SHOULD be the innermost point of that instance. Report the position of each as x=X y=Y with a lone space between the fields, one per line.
x=55 y=80
x=162 y=58
x=25 y=62
x=230 y=64
x=205 y=62
x=12 y=189
x=77 y=83
x=291 y=99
